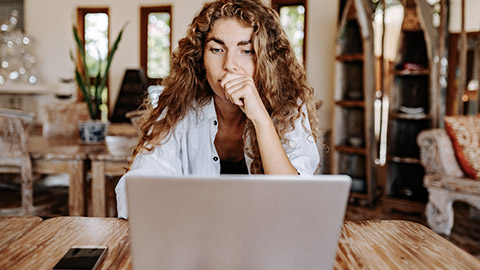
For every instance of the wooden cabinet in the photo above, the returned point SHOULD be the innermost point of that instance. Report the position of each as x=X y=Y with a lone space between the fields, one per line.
x=412 y=108
x=353 y=136
x=384 y=98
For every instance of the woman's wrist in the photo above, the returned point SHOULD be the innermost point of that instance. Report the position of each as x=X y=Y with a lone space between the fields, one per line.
x=261 y=120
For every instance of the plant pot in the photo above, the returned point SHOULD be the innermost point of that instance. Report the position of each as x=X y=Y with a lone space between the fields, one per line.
x=92 y=132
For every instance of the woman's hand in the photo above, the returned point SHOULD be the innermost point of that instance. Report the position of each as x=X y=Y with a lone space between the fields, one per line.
x=241 y=91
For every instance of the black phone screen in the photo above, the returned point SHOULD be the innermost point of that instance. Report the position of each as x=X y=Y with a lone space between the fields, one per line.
x=81 y=258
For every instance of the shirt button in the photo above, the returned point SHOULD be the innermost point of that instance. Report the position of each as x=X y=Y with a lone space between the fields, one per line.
x=215 y=122
x=215 y=158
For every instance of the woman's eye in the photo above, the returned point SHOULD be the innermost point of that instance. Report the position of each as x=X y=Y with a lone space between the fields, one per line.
x=248 y=52
x=216 y=50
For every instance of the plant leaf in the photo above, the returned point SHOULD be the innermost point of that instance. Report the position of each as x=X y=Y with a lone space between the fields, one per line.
x=98 y=88
x=81 y=51
x=111 y=53
x=86 y=93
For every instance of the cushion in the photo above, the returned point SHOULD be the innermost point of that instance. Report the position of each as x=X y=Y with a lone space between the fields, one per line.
x=464 y=131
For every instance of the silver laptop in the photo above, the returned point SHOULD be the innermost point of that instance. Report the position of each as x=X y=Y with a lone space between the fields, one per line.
x=236 y=222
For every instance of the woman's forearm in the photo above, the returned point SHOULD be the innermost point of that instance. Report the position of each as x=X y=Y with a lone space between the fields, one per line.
x=274 y=158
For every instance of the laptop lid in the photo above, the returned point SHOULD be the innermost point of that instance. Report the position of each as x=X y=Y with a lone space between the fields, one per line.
x=236 y=222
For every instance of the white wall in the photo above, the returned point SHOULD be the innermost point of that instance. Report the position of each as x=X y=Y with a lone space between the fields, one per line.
x=322 y=28
x=48 y=23
x=472 y=19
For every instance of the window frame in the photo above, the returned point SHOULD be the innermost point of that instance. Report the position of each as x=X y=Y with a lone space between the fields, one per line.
x=144 y=11
x=277 y=4
x=81 y=13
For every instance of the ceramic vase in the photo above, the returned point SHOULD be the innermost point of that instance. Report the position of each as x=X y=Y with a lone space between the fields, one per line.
x=92 y=132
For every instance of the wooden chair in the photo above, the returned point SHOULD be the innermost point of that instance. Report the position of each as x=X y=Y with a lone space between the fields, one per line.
x=14 y=157
x=61 y=119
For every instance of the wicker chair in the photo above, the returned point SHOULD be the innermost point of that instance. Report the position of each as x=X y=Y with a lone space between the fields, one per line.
x=14 y=156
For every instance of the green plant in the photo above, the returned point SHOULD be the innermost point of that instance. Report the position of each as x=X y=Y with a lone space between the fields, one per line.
x=92 y=93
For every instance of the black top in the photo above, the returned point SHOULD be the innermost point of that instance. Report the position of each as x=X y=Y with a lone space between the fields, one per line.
x=233 y=167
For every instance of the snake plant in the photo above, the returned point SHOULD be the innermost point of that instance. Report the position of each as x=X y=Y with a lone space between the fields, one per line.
x=92 y=93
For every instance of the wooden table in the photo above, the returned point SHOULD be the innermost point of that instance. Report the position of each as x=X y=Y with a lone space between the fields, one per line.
x=68 y=155
x=362 y=245
x=111 y=161
x=42 y=247
x=398 y=244
x=12 y=228
x=59 y=155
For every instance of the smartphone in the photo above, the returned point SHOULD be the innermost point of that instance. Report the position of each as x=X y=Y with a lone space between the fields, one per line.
x=82 y=257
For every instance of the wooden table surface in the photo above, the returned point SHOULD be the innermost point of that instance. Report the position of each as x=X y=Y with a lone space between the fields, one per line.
x=363 y=245
x=12 y=228
x=397 y=244
x=44 y=246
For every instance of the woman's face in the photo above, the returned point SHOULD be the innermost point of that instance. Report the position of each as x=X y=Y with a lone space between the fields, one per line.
x=228 y=50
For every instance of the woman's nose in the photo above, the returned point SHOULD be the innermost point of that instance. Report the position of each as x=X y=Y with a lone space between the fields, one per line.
x=230 y=62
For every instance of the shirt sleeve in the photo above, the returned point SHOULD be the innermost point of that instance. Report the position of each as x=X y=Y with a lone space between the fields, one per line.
x=302 y=149
x=161 y=160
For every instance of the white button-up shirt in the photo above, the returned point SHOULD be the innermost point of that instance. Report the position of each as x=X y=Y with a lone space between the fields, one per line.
x=190 y=150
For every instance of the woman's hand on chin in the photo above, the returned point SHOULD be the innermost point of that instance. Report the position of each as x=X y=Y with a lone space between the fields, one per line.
x=241 y=91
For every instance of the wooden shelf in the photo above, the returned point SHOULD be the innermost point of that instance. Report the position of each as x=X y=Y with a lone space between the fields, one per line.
x=409 y=160
x=390 y=203
x=350 y=57
x=351 y=103
x=24 y=89
x=407 y=72
x=408 y=116
x=351 y=150
x=354 y=84
x=365 y=199
x=412 y=87
x=359 y=195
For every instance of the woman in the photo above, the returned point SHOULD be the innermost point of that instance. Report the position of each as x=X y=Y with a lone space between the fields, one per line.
x=236 y=101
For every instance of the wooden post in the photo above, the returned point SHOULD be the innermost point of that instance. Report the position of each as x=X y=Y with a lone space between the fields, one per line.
x=462 y=63
x=477 y=52
x=98 y=201
x=441 y=54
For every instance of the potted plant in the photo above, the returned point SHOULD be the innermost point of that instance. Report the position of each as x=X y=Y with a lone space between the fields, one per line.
x=95 y=130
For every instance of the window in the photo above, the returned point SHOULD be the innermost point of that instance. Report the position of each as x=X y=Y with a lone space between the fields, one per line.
x=155 y=42
x=293 y=15
x=93 y=27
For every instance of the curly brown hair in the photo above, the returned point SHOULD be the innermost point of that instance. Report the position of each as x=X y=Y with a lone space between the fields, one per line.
x=279 y=77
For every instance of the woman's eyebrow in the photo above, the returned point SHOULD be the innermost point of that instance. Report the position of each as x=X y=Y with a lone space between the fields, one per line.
x=216 y=40
x=221 y=42
x=244 y=42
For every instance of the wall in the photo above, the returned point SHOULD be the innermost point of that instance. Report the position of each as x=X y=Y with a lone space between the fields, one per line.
x=472 y=20
x=49 y=22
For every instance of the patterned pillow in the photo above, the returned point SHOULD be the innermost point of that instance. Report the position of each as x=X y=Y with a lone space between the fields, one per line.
x=464 y=131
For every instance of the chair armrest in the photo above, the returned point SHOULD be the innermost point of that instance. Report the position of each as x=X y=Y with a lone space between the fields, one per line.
x=436 y=153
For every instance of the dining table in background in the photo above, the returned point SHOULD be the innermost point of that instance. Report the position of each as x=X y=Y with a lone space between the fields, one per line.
x=372 y=244
x=110 y=161
x=63 y=155
x=68 y=155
